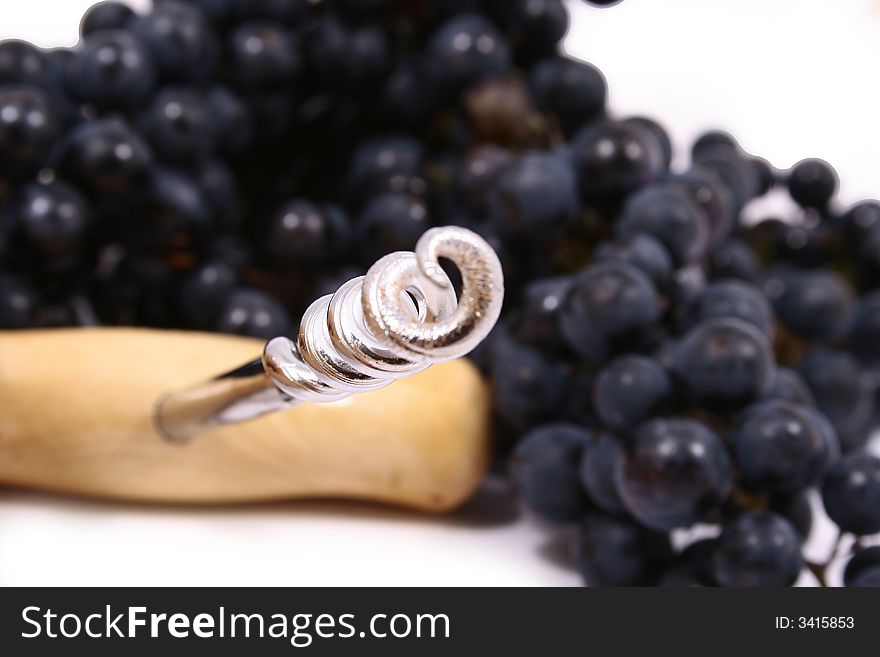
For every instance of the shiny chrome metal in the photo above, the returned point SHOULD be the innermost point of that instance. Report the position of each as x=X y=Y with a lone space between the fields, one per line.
x=394 y=322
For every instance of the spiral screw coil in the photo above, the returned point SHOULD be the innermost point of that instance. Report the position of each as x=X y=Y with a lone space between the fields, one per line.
x=394 y=322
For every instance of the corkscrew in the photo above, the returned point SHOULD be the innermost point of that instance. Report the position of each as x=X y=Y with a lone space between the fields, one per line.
x=395 y=321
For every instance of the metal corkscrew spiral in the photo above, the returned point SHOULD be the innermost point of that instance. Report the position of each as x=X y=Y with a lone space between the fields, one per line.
x=394 y=322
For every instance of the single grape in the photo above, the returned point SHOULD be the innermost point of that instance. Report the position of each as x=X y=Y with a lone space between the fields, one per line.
x=534 y=196
x=536 y=319
x=178 y=124
x=759 y=548
x=615 y=551
x=263 y=55
x=613 y=158
x=812 y=183
x=629 y=390
x=545 y=468
x=19 y=302
x=734 y=258
x=671 y=218
x=725 y=363
x=734 y=299
x=302 y=233
x=863 y=569
x=112 y=69
x=659 y=132
x=182 y=43
x=572 y=91
x=105 y=15
x=54 y=220
x=390 y=222
x=254 y=313
x=641 y=251
x=106 y=157
x=707 y=191
x=779 y=445
x=28 y=127
x=817 y=305
x=851 y=493
x=21 y=63
x=203 y=293
x=606 y=301
x=527 y=387
x=677 y=472
x=465 y=49
x=843 y=390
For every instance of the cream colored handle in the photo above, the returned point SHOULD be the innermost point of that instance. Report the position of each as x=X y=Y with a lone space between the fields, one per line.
x=75 y=416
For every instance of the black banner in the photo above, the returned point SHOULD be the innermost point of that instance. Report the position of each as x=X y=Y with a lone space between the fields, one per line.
x=434 y=621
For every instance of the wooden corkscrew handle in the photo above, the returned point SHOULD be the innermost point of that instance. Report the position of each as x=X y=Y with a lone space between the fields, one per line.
x=75 y=417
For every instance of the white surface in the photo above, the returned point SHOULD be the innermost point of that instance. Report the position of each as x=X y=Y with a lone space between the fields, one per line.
x=790 y=78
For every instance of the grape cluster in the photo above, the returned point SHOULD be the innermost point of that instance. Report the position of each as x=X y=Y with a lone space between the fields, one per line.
x=218 y=164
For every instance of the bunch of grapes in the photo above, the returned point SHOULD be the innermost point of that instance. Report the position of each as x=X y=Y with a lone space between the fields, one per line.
x=218 y=164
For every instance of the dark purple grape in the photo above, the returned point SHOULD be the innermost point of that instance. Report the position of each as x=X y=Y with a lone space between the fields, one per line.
x=262 y=55
x=780 y=445
x=465 y=49
x=843 y=390
x=812 y=183
x=111 y=69
x=390 y=222
x=597 y=472
x=734 y=258
x=107 y=15
x=572 y=91
x=536 y=26
x=860 y=220
x=535 y=196
x=53 y=220
x=712 y=139
x=21 y=63
x=851 y=493
x=659 y=133
x=725 y=363
x=28 y=127
x=630 y=390
x=106 y=157
x=706 y=190
x=613 y=158
x=254 y=313
x=527 y=387
x=759 y=548
x=202 y=294
x=677 y=472
x=545 y=469
x=178 y=124
x=537 y=315
x=175 y=212
x=475 y=176
x=302 y=233
x=615 y=551
x=609 y=300
x=641 y=251
x=671 y=218
x=19 y=302
x=379 y=160
x=181 y=42
x=863 y=569
x=692 y=566
x=347 y=58
x=734 y=299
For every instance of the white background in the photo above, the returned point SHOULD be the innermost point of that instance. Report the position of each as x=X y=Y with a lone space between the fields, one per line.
x=790 y=78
